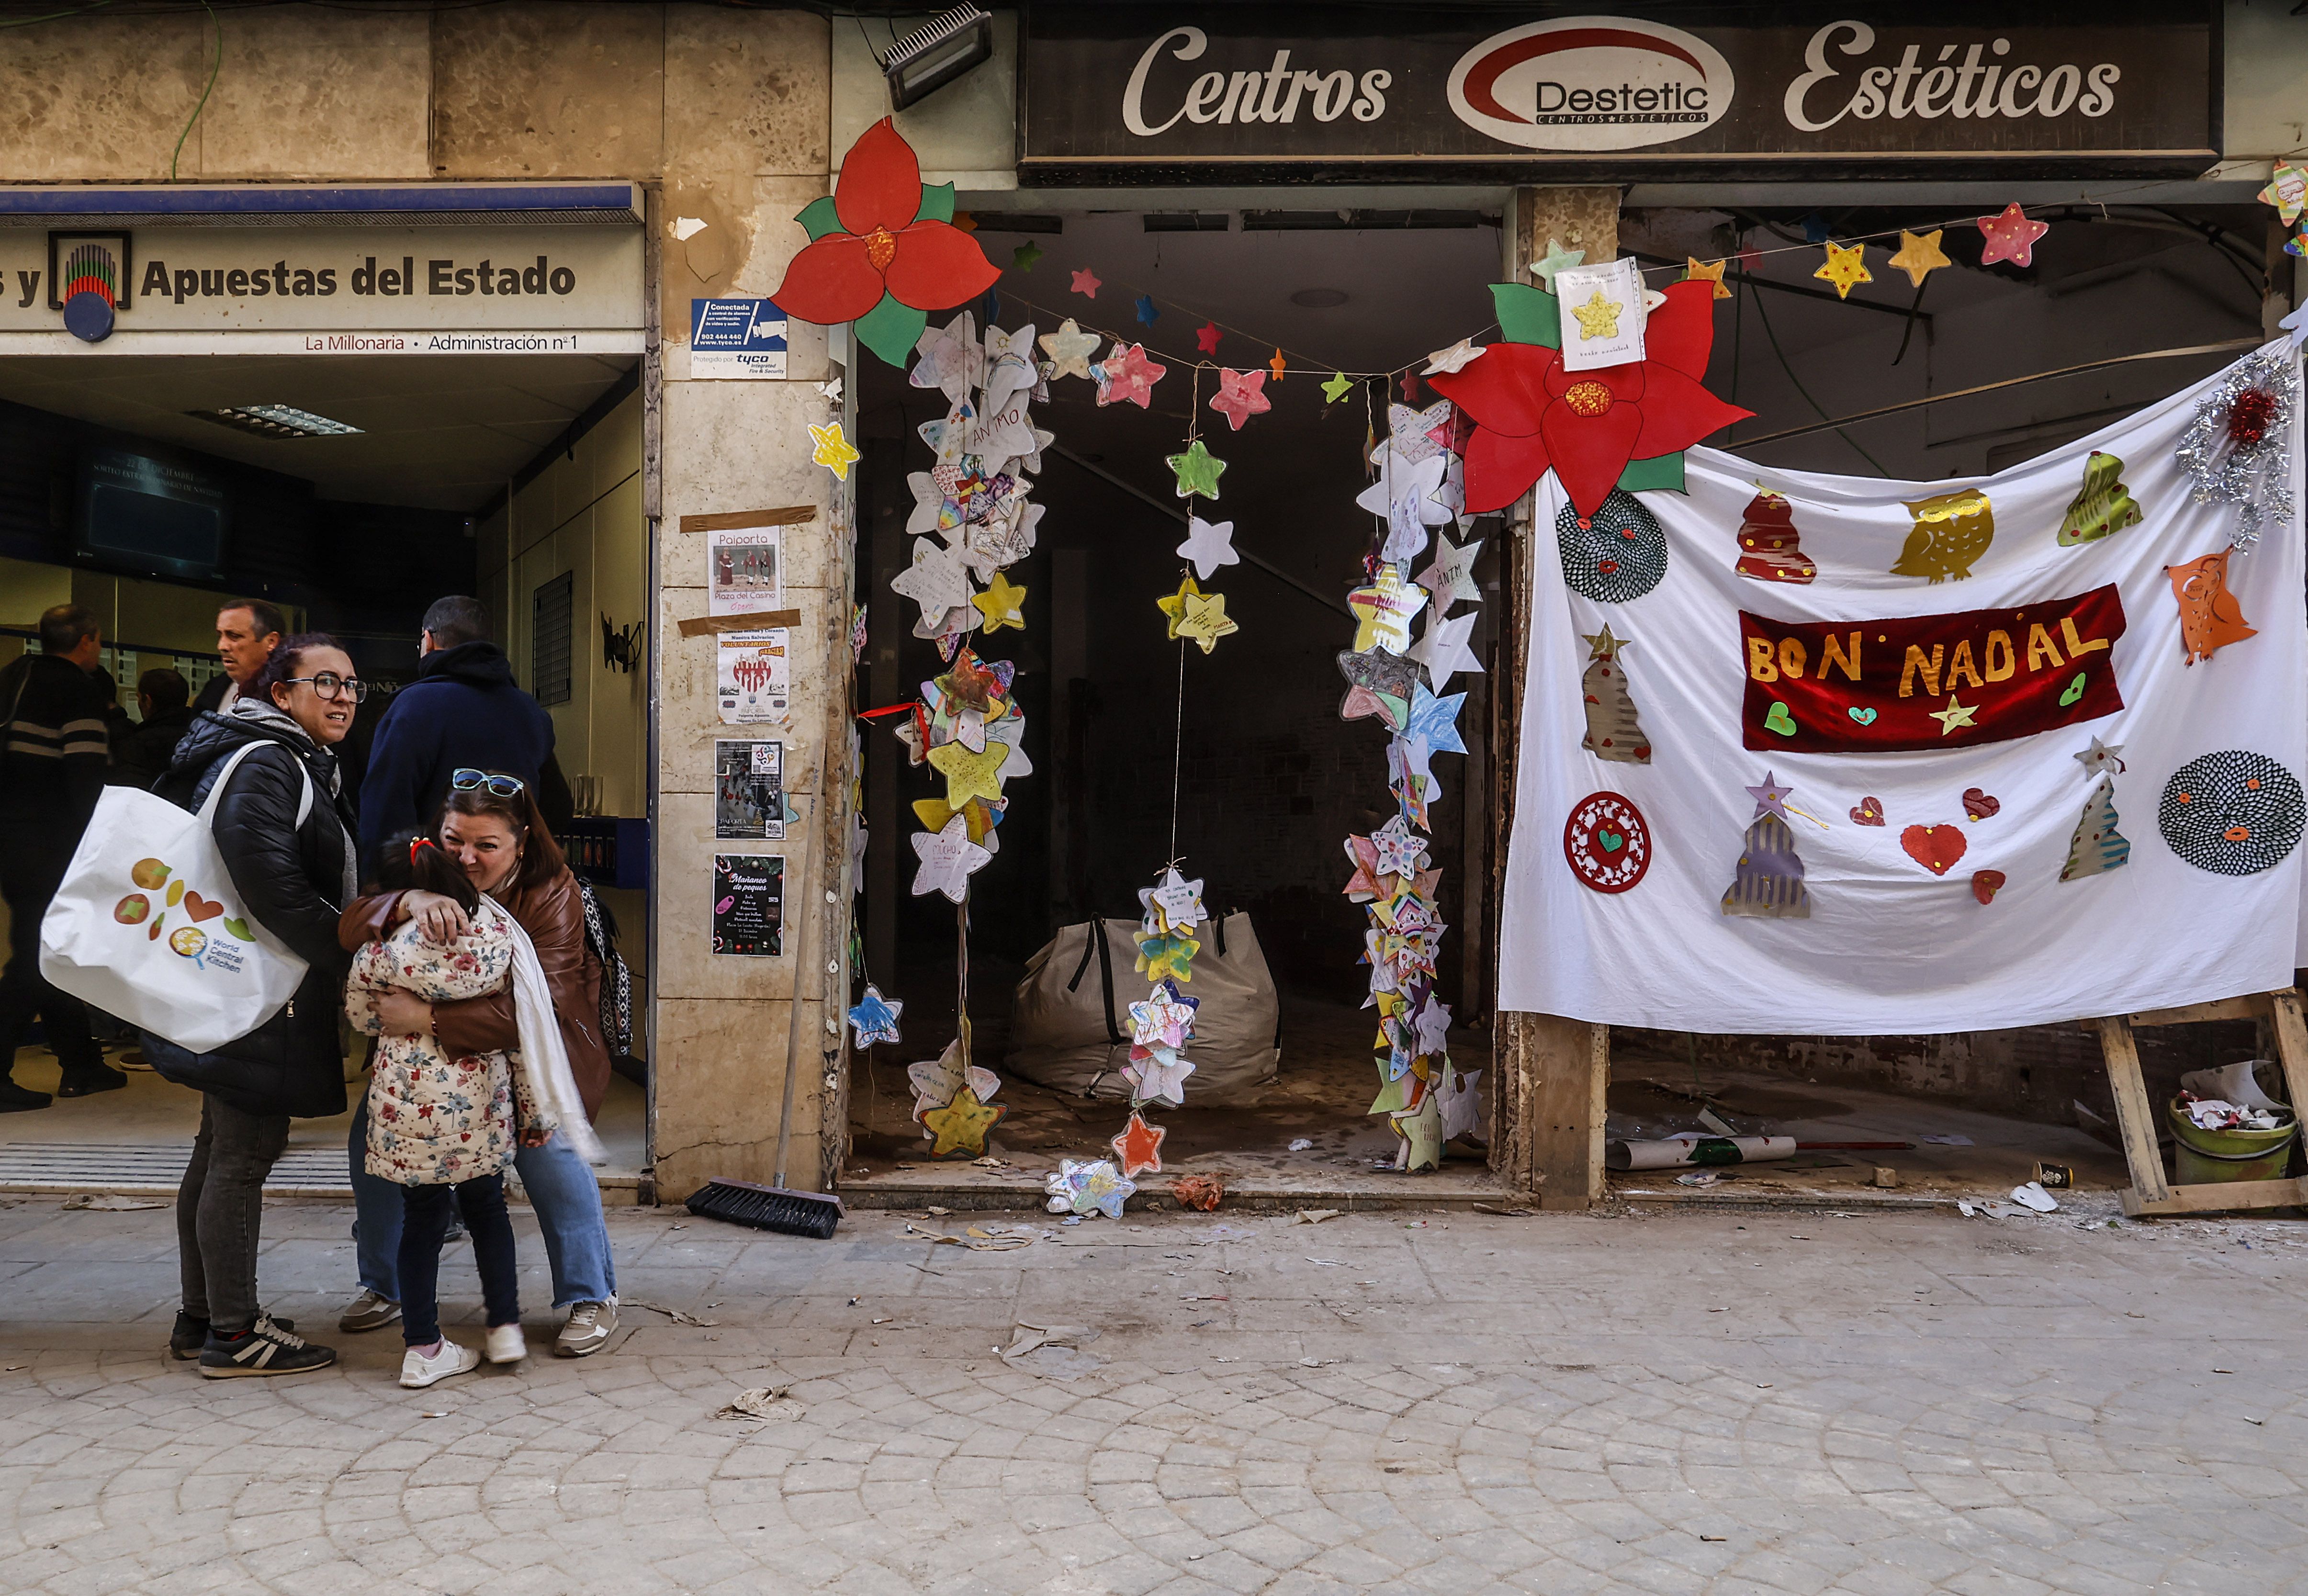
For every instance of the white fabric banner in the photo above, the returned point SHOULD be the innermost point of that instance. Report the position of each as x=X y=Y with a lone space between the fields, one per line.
x=1930 y=894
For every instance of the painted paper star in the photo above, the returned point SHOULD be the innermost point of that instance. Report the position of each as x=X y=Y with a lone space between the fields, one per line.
x=1414 y=435
x=1404 y=494
x=1443 y=649
x=951 y=359
x=1069 y=349
x=1147 y=313
x=1022 y=258
x=1165 y=955
x=948 y=861
x=1162 y=1021
x=1770 y=797
x=948 y=437
x=1432 y=1027
x=935 y=580
x=1398 y=848
x=1845 y=268
x=1208 y=546
x=832 y=451
x=1278 y=365
x=1598 y=317
x=2098 y=759
x=1128 y=375
x=1008 y=368
x=1337 y=386
x=1955 y=715
x=980 y=819
x=1378 y=683
x=1365 y=885
x=1087 y=283
x=969 y=773
x=1554 y=260
x=1175 y=902
x=1434 y=721
x=1010 y=732
x=1198 y=471
x=1919 y=254
x=936 y=1082
x=1159 y=1077
x=1001 y=540
x=1139 y=1147
x=1197 y=616
x=1698 y=270
x=1602 y=645
x=972 y=684
x=1206 y=337
x=1421 y=1131
x=961 y=1126
x=874 y=1019
x=1454 y=359
x=999 y=604
x=2011 y=236
x=1383 y=611
x=1087 y=1186
x=1241 y=395
x=1451 y=577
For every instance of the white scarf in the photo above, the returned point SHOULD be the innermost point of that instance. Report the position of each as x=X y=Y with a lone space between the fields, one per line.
x=543 y=1061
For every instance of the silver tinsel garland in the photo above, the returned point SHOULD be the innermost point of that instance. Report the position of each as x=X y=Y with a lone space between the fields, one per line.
x=2255 y=477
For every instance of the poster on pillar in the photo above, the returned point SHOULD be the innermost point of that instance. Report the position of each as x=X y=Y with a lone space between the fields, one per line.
x=1926 y=756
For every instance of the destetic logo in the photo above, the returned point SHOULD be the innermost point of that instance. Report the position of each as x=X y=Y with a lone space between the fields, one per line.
x=1591 y=83
x=88 y=281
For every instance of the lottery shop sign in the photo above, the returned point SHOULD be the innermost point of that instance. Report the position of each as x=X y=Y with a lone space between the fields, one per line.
x=1929 y=681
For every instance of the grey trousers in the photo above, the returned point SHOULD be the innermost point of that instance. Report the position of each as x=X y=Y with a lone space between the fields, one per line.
x=221 y=1209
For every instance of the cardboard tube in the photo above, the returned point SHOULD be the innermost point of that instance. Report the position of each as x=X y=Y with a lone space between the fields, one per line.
x=1704 y=1150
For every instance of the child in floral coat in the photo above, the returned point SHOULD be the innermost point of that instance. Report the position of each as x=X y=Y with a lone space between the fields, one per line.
x=442 y=1126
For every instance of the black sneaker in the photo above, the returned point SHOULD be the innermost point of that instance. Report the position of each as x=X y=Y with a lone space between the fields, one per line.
x=88 y=1079
x=266 y=1347
x=190 y=1335
x=19 y=1099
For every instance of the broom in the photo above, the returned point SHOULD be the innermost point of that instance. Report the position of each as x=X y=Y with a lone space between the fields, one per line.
x=774 y=1207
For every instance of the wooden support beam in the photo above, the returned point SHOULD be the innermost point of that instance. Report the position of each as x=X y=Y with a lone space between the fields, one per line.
x=2134 y=1117
x=2251 y=1006
x=2219 y=1197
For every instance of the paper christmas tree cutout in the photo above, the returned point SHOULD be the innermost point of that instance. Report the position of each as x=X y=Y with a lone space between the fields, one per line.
x=2102 y=505
x=1769 y=549
x=1613 y=732
x=2096 y=847
x=1768 y=884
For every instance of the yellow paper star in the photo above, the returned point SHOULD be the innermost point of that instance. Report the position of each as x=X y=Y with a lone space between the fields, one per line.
x=833 y=450
x=1954 y=715
x=1845 y=268
x=970 y=775
x=1696 y=271
x=999 y=604
x=978 y=817
x=1204 y=619
x=1174 y=605
x=1598 y=317
x=1919 y=254
x=963 y=1124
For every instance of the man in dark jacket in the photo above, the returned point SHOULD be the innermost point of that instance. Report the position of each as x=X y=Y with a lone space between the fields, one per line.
x=247 y=631
x=463 y=708
x=163 y=698
x=52 y=764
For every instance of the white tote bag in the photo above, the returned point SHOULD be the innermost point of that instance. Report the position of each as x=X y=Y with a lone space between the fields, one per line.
x=149 y=928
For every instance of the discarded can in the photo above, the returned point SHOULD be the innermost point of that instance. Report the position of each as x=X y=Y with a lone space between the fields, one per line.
x=2054 y=1175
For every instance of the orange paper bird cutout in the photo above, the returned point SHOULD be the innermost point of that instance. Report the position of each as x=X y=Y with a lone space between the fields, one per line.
x=2210 y=618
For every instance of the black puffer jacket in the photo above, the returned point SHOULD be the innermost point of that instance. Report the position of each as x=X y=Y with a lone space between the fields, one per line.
x=293 y=880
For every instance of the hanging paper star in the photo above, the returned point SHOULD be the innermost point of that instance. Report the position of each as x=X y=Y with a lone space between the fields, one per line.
x=999 y=604
x=2011 y=236
x=1399 y=849
x=1770 y=797
x=1414 y=435
x=948 y=861
x=1174 y=904
x=1337 y=386
x=1009 y=369
x=1198 y=615
x=1365 y=885
x=1139 y=1147
x=1377 y=684
x=1241 y=395
x=1165 y=956
x=1432 y=1026
x=1460 y=1103
x=1069 y=349
x=1814 y=228
x=972 y=684
x=1919 y=254
x=1698 y=270
x=876 y=1017
x=2098 y=759
x=832 y=451
x=1454 y=359
x=1845 y=268
x=1087 y=1186
x=1010 y=732
x=1147 y=313
x=1421 y=1131
x=1433 y=720
x=1954 y=716
x=1444 y=650
x=961 y=1126
x=951 y=359
x=1384 y=610
x=969 y=773
x=1198 y=471
x=980 y=819
x=1162 y=1021
x=1002 y=540
x=2287 y=191
x=1598 y=317
x=1554 y=260
x=1206 y=337
x=1208 y=546
x=1022 y=258
x=1276 y=366
x=1129 y=376
x=1087 y=283
x=1404 y=494
x=1449 y=578
x=935 y=580
x=1159 y=1077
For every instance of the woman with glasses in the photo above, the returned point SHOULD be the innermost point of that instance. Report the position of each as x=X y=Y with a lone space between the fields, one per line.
x=285 y=833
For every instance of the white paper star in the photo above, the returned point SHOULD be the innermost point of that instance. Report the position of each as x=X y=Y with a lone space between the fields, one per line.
x=1009 y=364
x=1161 y=1078
x=933 y=624
x=1453 y=359
x=1404 y=494
x=1161 y=1020
x=1003 y=540
x=1398 y=848
x=949 y=359
x=935 y=580
x=1450 y=579
x=1432 y=1027
x=1460 y=1103
x=1174 y=900
x=1069 y=349
x=949 y=858
x=1009 y=731
x=1000 y=434
x=932 y=512
x=1208 y=546
x=858 y=838
x=949 y=437
x=1414 y=434
x=1444 y=650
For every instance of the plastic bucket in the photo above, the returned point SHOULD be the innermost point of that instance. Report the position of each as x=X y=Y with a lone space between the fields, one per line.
x=2201 y=1157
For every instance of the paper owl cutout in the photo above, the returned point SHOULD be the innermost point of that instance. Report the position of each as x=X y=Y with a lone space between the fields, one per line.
x=2102 y=506
x=1952 y=530
x=2210 y=618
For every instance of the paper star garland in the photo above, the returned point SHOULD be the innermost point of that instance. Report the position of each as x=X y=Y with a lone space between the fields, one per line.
x=874 y=1019
x=1451 y=577
x=2098 y=759
x=1404 y=494
x=2011 y=236
x=1069 y=349
x=1159 y=1077
x=1128 y=375
x=1139 y=1147
x=1162 y=1021
x=1087 y=1186
x=1845 y=268
x=1165 y=956
x=1443 y=649
x=948 y=859
x=1384 y=610
x=1174 y=903
x=1241 y=395
x=1206 y=337
x=1198 y=615
x=1336 y=387
x=1954 y=716
x=1198 y=471
x=1554 y=260
x=1009 y=369
x=1087 y=283
x=999 y=604
x=1920 y=254
x=951 y=359
x=1454 y=359
x=961 y=1126
x=1598 y=317
x=935 y=580
x=1208 y=546
x=832 y=450
x=969 y=773
x=1698 y=270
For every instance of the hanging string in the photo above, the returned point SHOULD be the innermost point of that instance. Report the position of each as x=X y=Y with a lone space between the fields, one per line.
x=1177 y=750
x=961 y=973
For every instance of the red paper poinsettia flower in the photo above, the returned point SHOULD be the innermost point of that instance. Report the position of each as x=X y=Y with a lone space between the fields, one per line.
x=884 y=245
x=1530 y=413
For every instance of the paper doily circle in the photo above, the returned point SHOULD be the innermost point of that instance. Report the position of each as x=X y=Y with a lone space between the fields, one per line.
x=2234 y=812
x=1620 y=554
x=1594 y=820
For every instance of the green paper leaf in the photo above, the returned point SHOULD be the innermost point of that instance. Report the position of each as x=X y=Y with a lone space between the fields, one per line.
x=1528 y=314
x=937 y=202
x=1659 y=472
x=819 y=218
x=891 y=330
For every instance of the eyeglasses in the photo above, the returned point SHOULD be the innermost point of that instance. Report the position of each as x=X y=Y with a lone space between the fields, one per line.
x=467 y=779
x=328 y=684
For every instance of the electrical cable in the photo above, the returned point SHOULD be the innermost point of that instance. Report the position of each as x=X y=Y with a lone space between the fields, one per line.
x=1764 y=317
x=175 y=155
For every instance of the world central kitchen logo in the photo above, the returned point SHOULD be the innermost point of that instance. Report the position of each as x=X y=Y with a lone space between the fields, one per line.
x=1591 y=83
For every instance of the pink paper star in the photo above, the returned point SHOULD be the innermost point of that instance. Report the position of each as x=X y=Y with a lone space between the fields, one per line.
x=1087 y=283
x=1131 y=375
x=1241 y=395
x=1206 y=335
x=2011 y=236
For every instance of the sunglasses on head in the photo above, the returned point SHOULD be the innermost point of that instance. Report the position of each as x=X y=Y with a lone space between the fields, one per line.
x=504 y=787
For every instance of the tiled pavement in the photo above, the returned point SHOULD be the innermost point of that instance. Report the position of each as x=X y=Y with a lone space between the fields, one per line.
x=1709 y=1402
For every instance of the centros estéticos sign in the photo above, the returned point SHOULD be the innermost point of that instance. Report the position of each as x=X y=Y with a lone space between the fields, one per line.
x=1591 y=83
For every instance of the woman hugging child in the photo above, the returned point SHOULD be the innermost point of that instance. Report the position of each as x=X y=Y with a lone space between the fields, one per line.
x=440 y=1125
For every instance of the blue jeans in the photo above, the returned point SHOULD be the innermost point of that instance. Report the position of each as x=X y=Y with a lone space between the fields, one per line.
x=425 y=1221
x=560 y=1185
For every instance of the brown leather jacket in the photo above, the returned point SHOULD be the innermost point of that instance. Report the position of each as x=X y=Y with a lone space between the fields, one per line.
x=554 y=916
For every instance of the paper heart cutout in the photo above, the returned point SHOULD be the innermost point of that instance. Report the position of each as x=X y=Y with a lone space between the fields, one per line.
x=1985 y=885
x=1936 y=847
x=1779 y=721
x=1864 y=717
x=2075 y=690
x=1870 y=812
x=200 y=909
x=1979 y=805
x=1612 y=841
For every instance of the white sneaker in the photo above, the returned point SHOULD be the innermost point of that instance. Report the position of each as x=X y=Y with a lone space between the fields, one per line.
x=418 y=1371
x=589 y=1327
x=507 y=1345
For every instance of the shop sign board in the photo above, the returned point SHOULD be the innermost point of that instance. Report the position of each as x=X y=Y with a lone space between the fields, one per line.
x=1215 y=91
